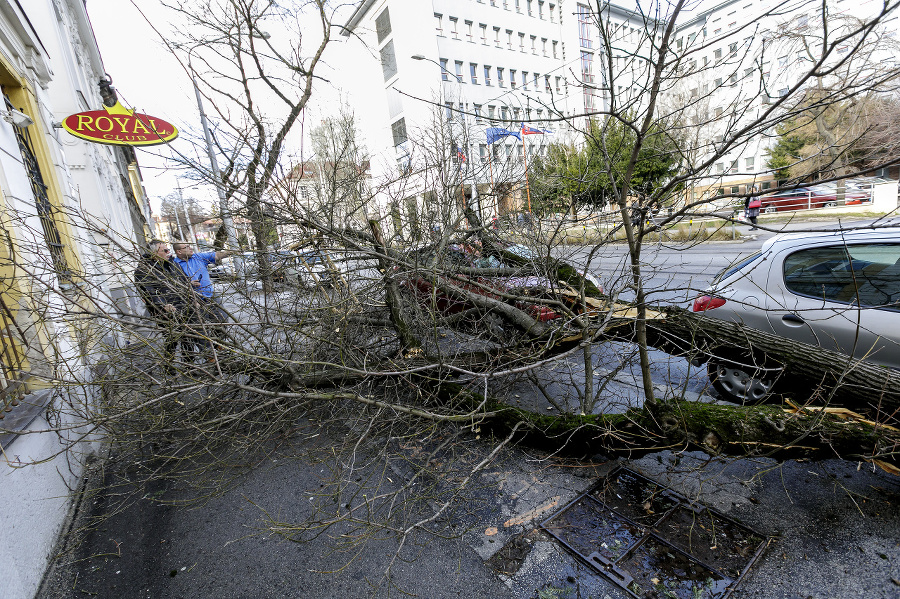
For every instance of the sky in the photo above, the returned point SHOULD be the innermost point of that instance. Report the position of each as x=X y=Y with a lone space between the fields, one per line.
x=148 y=78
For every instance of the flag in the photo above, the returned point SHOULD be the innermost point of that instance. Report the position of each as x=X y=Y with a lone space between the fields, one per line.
x=531 y=130
x=460 y=155
x=495 y=133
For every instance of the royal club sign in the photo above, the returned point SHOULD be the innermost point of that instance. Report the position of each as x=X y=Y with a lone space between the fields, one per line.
x=119 y=126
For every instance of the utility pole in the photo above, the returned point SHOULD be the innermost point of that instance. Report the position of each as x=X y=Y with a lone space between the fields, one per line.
x=217 y=180
x=187 y=217
x=178 y=223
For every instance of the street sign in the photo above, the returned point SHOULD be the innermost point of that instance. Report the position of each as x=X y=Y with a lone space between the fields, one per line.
x=120 y=126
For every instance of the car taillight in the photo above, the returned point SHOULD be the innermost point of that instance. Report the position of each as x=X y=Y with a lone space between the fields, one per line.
x=704 y=303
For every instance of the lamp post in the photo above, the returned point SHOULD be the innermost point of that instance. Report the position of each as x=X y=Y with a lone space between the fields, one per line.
x=217 y=176
x=459 y=80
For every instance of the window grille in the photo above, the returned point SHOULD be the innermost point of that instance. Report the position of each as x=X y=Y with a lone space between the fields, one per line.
x=45 y=209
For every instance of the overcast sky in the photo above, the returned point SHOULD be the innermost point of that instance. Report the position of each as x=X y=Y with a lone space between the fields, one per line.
x=147 y=77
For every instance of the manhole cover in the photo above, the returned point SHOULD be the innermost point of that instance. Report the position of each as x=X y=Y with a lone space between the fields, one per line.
x=652 y=542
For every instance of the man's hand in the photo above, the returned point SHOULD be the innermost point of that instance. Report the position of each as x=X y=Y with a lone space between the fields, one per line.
x=223 y=254
x=169 y=308
x=195 y=283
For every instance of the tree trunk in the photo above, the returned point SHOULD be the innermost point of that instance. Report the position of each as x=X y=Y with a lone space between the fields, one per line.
x=862 y=385
x=752 y=431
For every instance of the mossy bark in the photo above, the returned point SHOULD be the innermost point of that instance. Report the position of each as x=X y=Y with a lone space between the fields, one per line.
x=751 y=431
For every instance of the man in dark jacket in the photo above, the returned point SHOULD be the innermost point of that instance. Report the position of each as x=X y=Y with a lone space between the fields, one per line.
x=169 y=297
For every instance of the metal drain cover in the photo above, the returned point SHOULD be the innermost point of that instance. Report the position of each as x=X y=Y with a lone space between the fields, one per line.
x=653 y=542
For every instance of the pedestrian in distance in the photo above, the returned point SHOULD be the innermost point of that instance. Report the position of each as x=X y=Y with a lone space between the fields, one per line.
x=168 y=296
x=752 y=204
x=195 y=267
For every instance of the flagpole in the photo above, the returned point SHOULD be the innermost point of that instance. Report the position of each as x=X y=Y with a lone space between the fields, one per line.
x=525 y=160
x=491 y=165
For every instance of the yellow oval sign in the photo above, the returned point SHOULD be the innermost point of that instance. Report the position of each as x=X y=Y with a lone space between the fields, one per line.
x=119 y=126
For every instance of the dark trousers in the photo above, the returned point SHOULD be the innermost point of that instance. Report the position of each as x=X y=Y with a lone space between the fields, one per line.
x=213 y=316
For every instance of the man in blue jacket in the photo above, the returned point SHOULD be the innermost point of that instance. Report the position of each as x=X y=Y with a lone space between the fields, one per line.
x=194 y=264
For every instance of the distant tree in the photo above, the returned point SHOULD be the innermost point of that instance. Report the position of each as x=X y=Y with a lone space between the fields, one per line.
x=592 y=174
x=785 y=153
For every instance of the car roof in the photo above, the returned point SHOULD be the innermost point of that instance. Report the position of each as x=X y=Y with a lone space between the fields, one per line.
x=850 y=235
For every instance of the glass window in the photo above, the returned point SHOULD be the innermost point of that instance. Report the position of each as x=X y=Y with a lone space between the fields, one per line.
x=398 y=130
x=584 y=25
x=473 y=72
x=512 y=78
x=383 y=25
x=487 y=75
x=388 y=60
x=866 y=273
x=500 y=76
x=46 y=212
x=444 y=70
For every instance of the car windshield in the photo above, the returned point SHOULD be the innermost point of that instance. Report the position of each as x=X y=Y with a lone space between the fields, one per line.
x=730 y=270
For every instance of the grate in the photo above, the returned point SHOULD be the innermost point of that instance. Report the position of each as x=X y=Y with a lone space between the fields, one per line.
x=652 y=541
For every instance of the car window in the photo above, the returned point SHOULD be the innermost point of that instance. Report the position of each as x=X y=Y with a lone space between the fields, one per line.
x=730 y=270
x=864 y=273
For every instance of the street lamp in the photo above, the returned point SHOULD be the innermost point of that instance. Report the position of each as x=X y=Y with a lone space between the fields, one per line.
x=440 y=66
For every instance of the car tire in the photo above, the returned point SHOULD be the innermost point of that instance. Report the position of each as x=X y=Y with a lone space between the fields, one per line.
x=736 y=384
x=770 y=209
x=830 y=204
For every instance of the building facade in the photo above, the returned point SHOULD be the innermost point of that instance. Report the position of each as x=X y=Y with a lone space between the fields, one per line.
x=445 y=72
x=744 y=63
x=70 y=214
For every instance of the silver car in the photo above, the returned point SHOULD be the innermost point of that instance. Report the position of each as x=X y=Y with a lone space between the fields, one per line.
x=839 y=291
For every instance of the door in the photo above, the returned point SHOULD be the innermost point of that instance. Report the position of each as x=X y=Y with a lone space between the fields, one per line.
x=841 y=297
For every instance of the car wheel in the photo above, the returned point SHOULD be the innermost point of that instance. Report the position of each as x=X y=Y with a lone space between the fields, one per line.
x=735 y=384
x=769 y=209
x=830 y=204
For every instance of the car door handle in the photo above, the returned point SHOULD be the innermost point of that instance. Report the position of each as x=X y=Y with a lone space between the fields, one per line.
x=792 y=320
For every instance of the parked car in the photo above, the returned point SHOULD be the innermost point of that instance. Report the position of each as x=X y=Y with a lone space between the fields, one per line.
x=418 y=282
x=225 y=269
x=316 y=267
x=284 y=266
x=813 y=196
x=839 y=291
